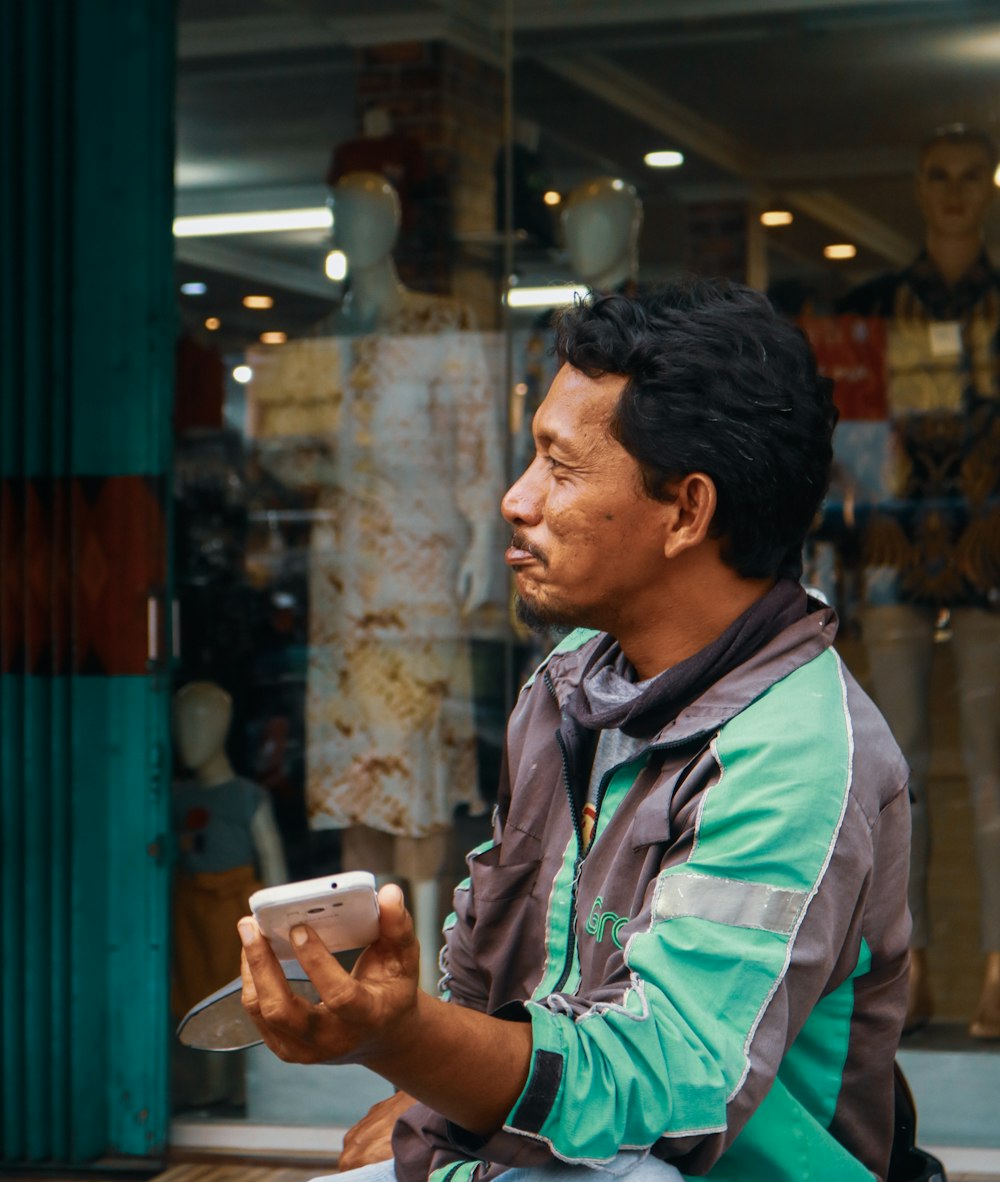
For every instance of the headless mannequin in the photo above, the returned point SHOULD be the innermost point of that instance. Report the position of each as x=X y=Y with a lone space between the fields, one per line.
x=601 y=220
x=366 y=226
x=954 y=189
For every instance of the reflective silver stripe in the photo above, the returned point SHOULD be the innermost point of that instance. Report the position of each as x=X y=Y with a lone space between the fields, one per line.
x=728 y=900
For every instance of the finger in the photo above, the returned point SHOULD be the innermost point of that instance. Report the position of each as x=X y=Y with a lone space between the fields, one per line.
x=335 y=986
x=263 y=967
x=395 y=922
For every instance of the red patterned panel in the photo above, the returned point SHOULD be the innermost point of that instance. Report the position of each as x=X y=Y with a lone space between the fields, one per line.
x=11 y=576
x=119 y=544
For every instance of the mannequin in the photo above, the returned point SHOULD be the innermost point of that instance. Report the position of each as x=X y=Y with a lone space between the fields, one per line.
x=942 y=319
x=399 y=560
x=601 y=220
x=226 y=832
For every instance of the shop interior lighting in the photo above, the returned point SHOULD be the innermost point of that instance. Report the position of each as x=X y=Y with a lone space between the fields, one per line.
x=273 y=338
x=840 y=250
x=242 y=374
x=546 y=297
x=213 y=323
x=663 y=159
x=258 y=301
x=996 y=177
x=336 y=266
x=552 y=197
x=194 y=288
x=262 y=221
x=776 y=217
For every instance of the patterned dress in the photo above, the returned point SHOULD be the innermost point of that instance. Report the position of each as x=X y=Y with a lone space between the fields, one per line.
x=416 y=465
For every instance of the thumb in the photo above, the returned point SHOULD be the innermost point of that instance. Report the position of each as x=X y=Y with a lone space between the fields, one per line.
x=395 y=922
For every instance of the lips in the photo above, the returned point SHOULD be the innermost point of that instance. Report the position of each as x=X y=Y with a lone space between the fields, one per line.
x=514 y=556
x=520 y=552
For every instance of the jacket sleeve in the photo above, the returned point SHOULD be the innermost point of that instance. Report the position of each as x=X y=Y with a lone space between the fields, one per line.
x=733 y=994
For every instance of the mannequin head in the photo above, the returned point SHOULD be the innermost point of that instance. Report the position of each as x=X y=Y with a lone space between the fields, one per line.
x=202 y=714
x=955 y=182
x=366 y=214
x=601 y=220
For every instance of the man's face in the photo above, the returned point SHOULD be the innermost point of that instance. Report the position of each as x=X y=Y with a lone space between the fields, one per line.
x=954 y=189
x=587 y=542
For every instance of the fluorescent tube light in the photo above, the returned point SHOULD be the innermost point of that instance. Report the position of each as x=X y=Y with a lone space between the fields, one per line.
x=545 y=297
x=262 y=221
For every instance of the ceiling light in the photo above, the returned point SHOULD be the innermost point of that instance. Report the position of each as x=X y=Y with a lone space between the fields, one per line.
x=242 y=374
x=258 y=301
x=336 y=266
x=213 y=323
x=263 y=221
x=552 y=197
x=273 y=338
x=996 y=176
x=776 y=217
x=194 y=288
x=545 y=297
x=840 y=250
x=663 y=159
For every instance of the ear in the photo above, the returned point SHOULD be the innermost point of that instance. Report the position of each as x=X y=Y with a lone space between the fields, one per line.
x=692 y=510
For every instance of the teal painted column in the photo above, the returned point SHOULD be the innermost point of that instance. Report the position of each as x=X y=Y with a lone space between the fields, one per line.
x=87 y=320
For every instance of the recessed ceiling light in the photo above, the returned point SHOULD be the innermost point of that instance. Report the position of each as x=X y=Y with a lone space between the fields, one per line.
x=776 y=217
x=258 y=301
x=195 y=288
x=840 y=250
x=213 y=323
x=552 y=197
x=336 y=266
x=242 y=374
x=663 y=159
x=273 y=338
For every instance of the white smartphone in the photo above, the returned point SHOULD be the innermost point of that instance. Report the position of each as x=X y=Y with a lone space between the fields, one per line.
x=342 y=909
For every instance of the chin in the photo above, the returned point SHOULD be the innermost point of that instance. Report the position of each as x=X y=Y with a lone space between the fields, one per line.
x=539 y=617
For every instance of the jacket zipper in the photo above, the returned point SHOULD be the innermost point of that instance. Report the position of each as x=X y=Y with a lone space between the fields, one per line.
x=578 y=828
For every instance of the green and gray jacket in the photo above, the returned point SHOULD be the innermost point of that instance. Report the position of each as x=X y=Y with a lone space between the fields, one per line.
x=721 y=977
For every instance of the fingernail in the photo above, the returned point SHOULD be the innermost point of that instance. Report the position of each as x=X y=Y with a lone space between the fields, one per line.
x=246 y=931
x=299 y=935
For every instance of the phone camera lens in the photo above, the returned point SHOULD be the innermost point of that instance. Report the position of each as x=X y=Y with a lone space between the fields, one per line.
x=333 y=885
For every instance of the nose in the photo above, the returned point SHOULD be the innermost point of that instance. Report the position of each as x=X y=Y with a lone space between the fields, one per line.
x=521 y=504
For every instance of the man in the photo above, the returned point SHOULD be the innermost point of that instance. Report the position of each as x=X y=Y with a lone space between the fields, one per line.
x=936 y=546
x=685 y=948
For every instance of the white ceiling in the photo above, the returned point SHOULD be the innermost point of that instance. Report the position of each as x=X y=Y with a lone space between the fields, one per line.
x=817 y=105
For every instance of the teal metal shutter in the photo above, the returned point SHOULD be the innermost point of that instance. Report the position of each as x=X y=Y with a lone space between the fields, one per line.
x=87 y=320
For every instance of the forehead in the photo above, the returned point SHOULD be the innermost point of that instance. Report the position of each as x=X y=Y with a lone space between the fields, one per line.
x=578 y=409
x=957 y=157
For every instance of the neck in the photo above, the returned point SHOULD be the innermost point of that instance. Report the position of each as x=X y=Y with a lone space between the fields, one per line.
x=953 y=257
x=376 y=292
x=613 y=277
x=217 y=770
x=681 y=619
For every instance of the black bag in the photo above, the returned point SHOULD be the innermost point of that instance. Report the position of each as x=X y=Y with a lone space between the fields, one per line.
x=907 y=1163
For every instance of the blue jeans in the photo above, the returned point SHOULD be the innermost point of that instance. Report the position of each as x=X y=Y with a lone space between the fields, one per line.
x=628 y=1166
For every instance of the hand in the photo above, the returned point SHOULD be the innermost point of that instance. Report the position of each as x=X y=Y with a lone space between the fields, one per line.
x=370 y=1140
x=360 y=1015
x=472 y=585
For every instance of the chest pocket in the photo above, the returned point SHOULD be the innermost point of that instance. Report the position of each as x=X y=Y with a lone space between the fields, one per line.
x=493 y=882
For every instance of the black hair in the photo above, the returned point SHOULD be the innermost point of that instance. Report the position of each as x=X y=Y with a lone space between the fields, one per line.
x=717 y=382
x=962 y=133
